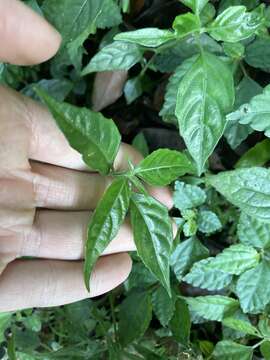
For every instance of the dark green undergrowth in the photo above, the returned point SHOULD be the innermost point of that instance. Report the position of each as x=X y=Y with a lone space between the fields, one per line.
x=196 y=104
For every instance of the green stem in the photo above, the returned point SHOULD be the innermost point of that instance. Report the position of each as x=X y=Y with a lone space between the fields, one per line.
x=258 y=344
x=111 y=300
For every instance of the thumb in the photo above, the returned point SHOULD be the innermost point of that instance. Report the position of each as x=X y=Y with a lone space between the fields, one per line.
x=25 y=37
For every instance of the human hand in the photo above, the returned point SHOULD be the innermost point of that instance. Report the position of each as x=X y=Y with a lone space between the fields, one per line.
x=46 y=191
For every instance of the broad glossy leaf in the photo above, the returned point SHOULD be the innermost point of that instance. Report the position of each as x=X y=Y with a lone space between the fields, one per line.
x=207 y=14
x=256 y=113
x=208 y=222
x=229 y=350
x=153 y=236
x=253 y=288
x=234 y=50
x=90 y=133
x=235 y=133
x=235 y=259
x=149 y=37
x=251 y=231
x=163 y=166
x=195 y=5
x=163 y=305
x=180 y=323
x=265 y=350
x=133 y=89
x=119 y=55
x=258 y=155
x=204 y=277
x=140 y=143
x=105 y=222
x=212 y=307
x=248 y=189
x=168 y=109
x=186 y=24
x=258 y=54
x=205 y=94
x=234 y=24
x=186 y=254
x=78 y=20
x=135 y=316
x=187 y=196
x=57 y=88
x=241 y=325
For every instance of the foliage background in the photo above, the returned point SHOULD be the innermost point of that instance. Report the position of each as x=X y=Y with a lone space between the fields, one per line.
x=212 y=312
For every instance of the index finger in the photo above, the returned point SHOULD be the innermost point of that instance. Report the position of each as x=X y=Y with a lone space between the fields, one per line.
x=26 y=38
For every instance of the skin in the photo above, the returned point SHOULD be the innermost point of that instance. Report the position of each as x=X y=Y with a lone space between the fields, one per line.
x=47 y=194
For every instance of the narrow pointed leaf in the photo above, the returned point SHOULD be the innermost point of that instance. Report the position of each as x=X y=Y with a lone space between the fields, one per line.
x=105 y=223
x=164 y=166
x=205 y=94
x=90 y=133
x=153 y=236
x=150 y=37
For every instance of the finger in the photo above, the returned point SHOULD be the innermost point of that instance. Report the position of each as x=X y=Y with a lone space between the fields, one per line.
x=60 y=188
x=26 y=38
x=43 y=283
x=62 y=235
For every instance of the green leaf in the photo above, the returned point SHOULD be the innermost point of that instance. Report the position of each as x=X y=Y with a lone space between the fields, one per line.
x=195 y=5
x=258 y=54
x=188 y=196
x=135 y=316
x=253 y=232
x=163 y=305
x=205 y=94
x=204 y=277
x=248 y=189
x=207 y=14
x=234 y=50
x=186 y=24
x=212 y=307
x=264 y=326
x=234 y=24
x=258 y=155
x=253 y=289
x=153 y=236
x=265 y=350
x=256 y=113
x=208 y=222
x=163 y=166
x=119 y=55
x=235 y=259
x=105 y=222
x=140 y=143
x=5 y=319
x=90 y=133
x=241 y=325
x=149 y=37
x=78 y=20
x=186 y=254
x=235 y=133
x=180 y=323
x=229 y=350
x=168 y=109
x=133 y=89
x=140 y=277
x=57 y=88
